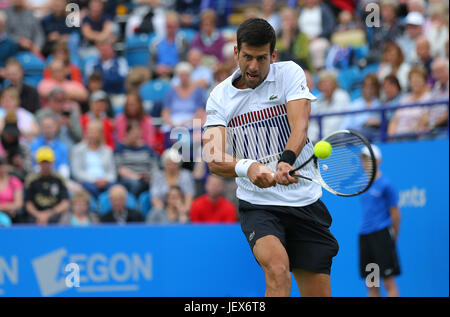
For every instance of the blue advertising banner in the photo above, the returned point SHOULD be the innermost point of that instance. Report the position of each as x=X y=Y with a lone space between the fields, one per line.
x=215 y=260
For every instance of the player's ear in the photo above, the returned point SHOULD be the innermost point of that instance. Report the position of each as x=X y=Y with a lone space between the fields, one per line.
x=236 y=52
x=274 y=55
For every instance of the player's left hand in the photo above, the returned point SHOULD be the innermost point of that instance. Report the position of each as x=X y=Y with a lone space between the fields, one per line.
x=282 y=176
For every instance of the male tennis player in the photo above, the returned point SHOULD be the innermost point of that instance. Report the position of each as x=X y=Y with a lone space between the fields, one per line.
x=257 y=122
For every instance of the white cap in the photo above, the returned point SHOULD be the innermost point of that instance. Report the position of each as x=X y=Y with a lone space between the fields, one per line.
x=376 y=152
x=414 y=18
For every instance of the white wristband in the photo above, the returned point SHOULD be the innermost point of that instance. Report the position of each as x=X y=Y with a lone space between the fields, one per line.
x=242 y=166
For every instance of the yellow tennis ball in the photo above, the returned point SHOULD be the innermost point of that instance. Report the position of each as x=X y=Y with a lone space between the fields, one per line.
x=322 y=149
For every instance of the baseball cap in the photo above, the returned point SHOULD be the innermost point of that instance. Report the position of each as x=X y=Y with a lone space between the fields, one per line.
x=375 y=149
x=414 y=18
x=98 y=95
x=45 y=154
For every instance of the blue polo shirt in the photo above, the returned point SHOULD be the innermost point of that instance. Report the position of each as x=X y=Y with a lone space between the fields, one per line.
x=376 y=203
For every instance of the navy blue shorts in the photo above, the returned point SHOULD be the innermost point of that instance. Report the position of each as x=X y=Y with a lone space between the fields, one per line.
x=303 y=231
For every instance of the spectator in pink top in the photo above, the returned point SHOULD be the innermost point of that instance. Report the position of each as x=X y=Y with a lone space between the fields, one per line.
x=209 y=40
x=74 y=90
x=11 y=191
x=134 y=111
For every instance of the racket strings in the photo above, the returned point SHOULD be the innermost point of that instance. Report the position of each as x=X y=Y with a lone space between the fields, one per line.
x=344 y=170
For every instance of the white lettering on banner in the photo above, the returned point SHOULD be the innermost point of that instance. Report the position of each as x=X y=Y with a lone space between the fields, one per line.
x=10 y=271
x=414 y=197
x=92 y=271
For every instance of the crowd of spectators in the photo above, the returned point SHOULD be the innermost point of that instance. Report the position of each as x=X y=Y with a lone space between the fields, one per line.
x=86 y=117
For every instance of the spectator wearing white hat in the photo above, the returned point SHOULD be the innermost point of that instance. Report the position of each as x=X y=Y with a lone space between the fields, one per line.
x=379 y=229
x=414 y=22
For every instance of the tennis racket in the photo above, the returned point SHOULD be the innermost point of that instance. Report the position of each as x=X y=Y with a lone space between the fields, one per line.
x=346 y=172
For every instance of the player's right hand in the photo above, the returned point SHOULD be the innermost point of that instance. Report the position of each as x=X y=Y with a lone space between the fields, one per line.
x=261 y=175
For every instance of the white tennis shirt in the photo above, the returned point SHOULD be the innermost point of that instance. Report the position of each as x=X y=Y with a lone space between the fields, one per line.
x=257 y=128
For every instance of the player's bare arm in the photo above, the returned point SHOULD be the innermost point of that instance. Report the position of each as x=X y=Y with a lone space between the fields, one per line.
x=223 y=164
x=298 y=113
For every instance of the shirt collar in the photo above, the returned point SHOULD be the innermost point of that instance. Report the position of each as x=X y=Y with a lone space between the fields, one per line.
x=233 y=91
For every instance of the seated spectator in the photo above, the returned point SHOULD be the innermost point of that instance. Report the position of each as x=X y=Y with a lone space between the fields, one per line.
x=437 y=34
x=11 y=191
x=147 y=16
x=8 y=48
x=135 y=161
x=46 y=195
x=292 y=44
x=212 y=207
x=317 y=20
x=438 y=115
x=392 y=94
x=55 y=26
x=74 y=90
x=120 y=214
x=67 y=116
x=185 y=102
x=209 y=40
x=79 y=214
x=136 y=77
x=98 y=103
x=167 y=52
x=367 y=123
x=96 y=25
x=394 y=63
x=93 y=162
x=201 y=75
x=134 y=112
x=270 y=14
x=412 y=119
x=388 y=31
x=424 y=57
x=14 y=149
x=49 y=137
x=332 y=99
x=414 y=22
x=171 y=175
x=29 y=97
x=24 y=28
x=174 y=210
x=94 y=84
x=10 y=102
x=114 y=69
x=61 y=52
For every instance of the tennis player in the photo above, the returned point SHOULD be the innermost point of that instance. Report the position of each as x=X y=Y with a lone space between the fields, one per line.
x=256 y=131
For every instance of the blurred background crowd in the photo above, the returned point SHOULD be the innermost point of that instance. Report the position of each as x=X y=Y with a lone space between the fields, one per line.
x=91 y=89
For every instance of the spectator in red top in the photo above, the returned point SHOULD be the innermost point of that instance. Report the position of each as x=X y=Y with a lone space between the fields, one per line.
x=98 y=104
x=212 y=207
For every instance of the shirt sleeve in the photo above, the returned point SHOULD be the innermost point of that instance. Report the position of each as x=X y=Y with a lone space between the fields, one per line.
x=214 y=112
x=294 y=83
x=391 y=196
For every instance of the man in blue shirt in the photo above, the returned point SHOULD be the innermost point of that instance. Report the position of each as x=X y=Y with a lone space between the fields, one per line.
x=379 y=230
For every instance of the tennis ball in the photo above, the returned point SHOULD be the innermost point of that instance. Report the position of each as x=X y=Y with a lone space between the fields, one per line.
x=322 y=149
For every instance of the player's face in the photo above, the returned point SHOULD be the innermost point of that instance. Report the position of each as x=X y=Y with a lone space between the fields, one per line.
x=254 y=62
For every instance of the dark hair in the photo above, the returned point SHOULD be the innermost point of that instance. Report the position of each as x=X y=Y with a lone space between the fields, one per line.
x=141 y=114
x=256 y=32
x=372 y=79
x=393 y=80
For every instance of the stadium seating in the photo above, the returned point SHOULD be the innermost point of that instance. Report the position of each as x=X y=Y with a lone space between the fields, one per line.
x=137 y=50
x=33 y=68
x=188 y=33
x=145 y=203
x=4 y=220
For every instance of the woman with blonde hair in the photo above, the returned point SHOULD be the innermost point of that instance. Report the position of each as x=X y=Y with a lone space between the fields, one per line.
x=79 y=214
